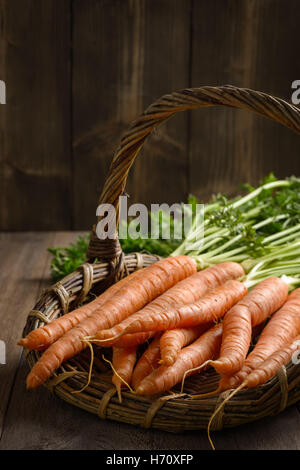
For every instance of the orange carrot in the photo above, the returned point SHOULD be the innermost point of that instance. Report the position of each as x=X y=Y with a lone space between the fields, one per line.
x=271 y=365
x=133 y=296
x=123 y=362
x=190 y=357
x=263 y=300
x=172 y=341
x=128 y=341
x=283 y=326
x=42 y=337
x=267 y=369
x=185 y=292
x=209 y=308
x=148 y=362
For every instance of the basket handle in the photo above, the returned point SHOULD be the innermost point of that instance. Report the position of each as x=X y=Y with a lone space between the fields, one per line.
x=158 y=112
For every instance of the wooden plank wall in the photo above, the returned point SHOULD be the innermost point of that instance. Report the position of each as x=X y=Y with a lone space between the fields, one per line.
x=79 y=71
x=35 y=159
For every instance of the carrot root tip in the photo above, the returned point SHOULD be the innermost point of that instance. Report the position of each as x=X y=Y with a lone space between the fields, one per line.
x=195 y=369
x=208 y=394
x=33 y=381
x=118 y=376
x=90 y=369
x=139 y=390
x=219 y=408
x=95 y=339
x=163 y=362
x=119 y=393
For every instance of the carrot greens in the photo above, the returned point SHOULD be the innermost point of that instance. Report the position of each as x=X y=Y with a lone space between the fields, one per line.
x=263 y=225
x=250 y=227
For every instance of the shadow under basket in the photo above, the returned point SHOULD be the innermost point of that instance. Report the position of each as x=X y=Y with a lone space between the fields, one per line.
x=107 y=264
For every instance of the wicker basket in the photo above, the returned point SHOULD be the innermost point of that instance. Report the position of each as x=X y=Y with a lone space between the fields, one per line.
x=173 y=413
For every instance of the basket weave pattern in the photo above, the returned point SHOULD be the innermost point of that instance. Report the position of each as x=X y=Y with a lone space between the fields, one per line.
x=173 y=412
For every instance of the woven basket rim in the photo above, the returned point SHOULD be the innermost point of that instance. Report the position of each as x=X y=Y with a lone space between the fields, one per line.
x=160 y=111
x=168 y=412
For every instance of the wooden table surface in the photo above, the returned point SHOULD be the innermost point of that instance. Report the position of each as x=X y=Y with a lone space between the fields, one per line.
x=38 y=420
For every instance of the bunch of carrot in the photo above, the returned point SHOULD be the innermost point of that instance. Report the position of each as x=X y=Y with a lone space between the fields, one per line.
x=184 y=320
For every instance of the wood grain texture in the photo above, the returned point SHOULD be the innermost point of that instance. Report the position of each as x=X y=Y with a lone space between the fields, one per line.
x=24 y=257
x=275 y=148
x=251 y=46
x=39 y=420
x=160 y=173
x=98 y=30
x=126 y=54
x=222 y=139
x=23 y=261
x=35 y=155
x=79 y=71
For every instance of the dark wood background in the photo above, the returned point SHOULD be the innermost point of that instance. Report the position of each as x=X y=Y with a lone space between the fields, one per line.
x=77 y=72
